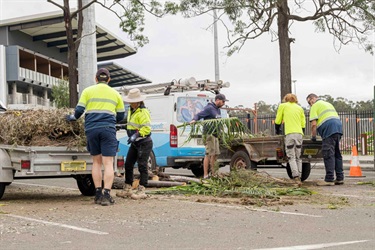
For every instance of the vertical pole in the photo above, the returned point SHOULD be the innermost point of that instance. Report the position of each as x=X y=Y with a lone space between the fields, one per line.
x=216 y=48
x=87 y=58
x=3 y=80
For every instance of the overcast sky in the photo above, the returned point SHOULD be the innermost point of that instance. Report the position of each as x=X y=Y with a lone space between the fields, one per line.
x=181 y=48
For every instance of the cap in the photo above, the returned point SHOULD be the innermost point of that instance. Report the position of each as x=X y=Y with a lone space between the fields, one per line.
x=102 y=73
x=221 y=97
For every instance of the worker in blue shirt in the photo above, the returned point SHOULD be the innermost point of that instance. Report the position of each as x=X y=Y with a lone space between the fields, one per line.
x=210 y=111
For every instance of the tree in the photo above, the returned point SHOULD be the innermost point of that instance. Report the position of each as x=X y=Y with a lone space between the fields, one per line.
x=349 y=21
x=128 y=19
x=73 y=40
x=60 y=94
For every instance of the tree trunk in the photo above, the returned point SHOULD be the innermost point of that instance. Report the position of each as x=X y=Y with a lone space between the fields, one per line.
x=284 y=48
x=72 y=56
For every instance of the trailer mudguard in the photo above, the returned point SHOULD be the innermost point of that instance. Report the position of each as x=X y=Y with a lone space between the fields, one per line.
x=6 y=169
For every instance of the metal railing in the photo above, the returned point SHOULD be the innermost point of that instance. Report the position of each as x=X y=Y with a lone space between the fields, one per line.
x=358 y=129
x=37 y=77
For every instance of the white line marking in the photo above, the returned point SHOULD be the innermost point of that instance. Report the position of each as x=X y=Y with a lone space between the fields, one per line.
x=316 y=246
x=354 y=196
x=58 y=224
x=255 y=209
x=40 y=185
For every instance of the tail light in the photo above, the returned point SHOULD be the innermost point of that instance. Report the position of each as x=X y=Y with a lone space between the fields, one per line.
x=173 y=136
x=279 y=153
x=120 y=162
x=25 y=164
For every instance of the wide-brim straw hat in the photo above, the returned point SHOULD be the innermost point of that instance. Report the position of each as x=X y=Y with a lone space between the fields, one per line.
x=134 y=95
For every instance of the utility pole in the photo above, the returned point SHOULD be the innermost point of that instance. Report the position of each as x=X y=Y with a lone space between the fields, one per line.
x=87 y=58
x=295 y=87
x=216 y=48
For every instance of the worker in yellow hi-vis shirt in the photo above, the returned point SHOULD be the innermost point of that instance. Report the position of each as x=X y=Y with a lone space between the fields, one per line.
x=104 y=108
x=293 y=116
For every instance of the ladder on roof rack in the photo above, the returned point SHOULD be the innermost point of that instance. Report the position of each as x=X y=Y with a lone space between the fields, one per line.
x=189 y=84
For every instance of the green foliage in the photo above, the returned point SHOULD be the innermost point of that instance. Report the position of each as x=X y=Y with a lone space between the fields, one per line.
x=241 y=183
x=60 y=94
x=227 y=129
x=370 y=183
x=343 y=104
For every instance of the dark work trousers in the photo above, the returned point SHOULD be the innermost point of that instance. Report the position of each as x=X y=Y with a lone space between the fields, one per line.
x=140 y=153
x=332 y=158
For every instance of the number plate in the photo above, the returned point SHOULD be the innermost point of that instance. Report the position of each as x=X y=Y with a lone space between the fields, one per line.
x=72 y=166
x=310 y=151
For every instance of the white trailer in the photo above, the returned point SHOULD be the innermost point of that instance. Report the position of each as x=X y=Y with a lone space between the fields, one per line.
x=28 y=162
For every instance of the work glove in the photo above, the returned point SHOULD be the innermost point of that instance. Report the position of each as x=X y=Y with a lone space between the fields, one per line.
x=313 y=138
x=303 y=130
x=70 y=118
x=133 y=137
x=277 y=129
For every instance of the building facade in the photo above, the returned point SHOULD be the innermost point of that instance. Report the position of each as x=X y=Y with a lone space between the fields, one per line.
x=33 y=59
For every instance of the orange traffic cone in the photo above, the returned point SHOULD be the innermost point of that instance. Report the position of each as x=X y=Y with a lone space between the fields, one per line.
x=355 y=169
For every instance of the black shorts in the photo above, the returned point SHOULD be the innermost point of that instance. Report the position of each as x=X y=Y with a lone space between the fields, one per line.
x=102 y=141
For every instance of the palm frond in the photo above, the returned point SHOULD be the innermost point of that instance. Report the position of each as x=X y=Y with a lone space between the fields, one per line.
x=226 y=129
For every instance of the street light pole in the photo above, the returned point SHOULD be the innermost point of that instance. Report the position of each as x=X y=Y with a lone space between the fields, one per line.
x=295 y=89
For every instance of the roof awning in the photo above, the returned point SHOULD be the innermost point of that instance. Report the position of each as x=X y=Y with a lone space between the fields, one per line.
x=49 y=28
x=121 y=76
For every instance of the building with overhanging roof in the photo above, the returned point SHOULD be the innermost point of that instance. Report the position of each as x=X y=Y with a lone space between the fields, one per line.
x=33 y=58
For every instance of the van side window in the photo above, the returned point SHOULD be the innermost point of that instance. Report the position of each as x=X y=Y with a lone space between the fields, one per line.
x=188 y=106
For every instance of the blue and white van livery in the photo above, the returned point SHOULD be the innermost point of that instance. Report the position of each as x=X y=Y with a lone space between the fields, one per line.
x=170 y=147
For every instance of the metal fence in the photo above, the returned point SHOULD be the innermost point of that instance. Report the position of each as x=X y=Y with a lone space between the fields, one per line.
x=358 y=129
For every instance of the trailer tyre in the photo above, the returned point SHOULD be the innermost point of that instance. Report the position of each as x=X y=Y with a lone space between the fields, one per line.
x=241 y=160
x=86 y=185
x=2 y=189
x=306 y=169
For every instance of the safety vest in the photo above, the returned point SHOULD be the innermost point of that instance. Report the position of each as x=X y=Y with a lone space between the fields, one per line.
x=322 y=111
x=139 y=120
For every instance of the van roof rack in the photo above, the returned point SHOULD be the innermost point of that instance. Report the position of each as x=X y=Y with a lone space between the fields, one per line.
x=182 y=85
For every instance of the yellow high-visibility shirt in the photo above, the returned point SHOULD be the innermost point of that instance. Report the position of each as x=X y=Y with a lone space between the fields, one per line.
x=293 y=116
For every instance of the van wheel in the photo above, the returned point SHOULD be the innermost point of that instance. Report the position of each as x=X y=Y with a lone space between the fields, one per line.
x=241 y=160
x=306 y=169
x=2 y=189
x=151 y=163
x=85 y=184
x=197 y=170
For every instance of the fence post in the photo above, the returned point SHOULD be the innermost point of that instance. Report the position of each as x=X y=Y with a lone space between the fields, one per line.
x=364 y=144
x=248 y=121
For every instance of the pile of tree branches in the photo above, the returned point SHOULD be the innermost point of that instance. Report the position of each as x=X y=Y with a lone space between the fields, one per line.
x=41 y=127
x=239 y=184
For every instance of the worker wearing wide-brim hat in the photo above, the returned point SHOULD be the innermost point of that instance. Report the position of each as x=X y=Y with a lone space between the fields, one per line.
x=139 y=132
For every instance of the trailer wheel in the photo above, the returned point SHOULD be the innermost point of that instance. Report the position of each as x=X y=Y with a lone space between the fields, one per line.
x=241 y=160
x=2 y=189
x=85 y=184
x=306 y=169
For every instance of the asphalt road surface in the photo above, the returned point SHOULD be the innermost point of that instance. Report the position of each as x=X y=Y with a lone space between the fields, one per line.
x=52 y=214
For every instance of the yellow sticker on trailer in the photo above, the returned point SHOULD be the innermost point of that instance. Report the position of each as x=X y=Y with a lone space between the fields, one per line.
x=73 y=166
x=310 y=151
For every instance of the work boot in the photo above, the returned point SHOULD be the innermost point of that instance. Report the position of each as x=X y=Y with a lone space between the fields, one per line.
x=107 y=200
x=140 y=193
x=98 y=199
x=298 y=181
x=339 y=182
x=126 y=192
x=325 y=183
